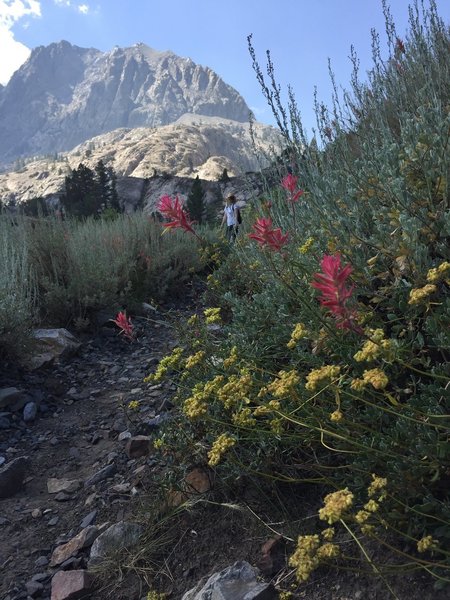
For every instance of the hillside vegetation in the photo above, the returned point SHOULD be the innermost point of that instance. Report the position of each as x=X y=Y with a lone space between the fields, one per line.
x=321 y=361
x=327 y=362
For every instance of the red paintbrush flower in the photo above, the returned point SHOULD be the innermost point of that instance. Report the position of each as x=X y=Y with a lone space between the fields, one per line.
x=173 y=209
x=289 y=183
x=332 y=283
x=125 y=325
x=265 y=235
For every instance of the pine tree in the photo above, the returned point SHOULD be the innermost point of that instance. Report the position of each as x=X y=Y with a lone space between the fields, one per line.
x=82 y=197
x=196 y=202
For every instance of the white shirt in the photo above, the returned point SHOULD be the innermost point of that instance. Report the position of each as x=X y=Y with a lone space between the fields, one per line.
x=231 y=217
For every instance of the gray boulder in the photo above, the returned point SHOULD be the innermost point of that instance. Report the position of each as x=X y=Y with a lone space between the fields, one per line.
x=117 y=537
x=238 y=582
x=12 y=476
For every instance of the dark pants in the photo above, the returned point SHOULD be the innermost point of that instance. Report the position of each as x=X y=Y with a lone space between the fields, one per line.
x=231 y=232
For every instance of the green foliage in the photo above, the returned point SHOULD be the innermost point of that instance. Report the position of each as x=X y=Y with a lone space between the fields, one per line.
x=89 y=193
x=17 y=288
x=58 y=271
x=195 y=203
x=281 y=389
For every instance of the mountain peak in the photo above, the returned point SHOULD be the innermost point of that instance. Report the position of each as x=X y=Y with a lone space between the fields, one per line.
x=65 y=94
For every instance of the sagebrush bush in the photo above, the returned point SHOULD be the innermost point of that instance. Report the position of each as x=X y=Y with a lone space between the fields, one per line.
x=332 y=366
x=17 y=288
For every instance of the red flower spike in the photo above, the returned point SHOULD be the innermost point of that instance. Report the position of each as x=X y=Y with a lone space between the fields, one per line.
x=124 y=324
x=335 y=293
x=289 y=183
x=173 y=209
x=265 y=235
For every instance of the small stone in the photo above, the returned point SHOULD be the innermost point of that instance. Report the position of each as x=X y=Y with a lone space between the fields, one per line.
x=138 y=446
x=117 y=537
x=104 y=473
x=125 y=435
x=36 y=513
x=41 y=561
x=30 y=412
x=53 y=522
x=62 y=497
x=55 y=486
x=34 y=588
x=88 y=519
x=70 y=585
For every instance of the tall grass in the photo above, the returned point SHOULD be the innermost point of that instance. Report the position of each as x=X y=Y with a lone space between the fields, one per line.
x=60 y=272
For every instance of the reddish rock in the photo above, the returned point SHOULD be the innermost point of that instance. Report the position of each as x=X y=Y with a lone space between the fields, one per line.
x=71 y=585
x=84 y=539
x=138 y=446
x=197 y=482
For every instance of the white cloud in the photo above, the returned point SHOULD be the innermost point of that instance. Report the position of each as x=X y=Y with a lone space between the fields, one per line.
x=62 y=2
x=14 y=53
x=83 y=8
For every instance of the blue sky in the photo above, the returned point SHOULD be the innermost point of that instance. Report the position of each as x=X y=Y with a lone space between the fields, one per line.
x=301 y=35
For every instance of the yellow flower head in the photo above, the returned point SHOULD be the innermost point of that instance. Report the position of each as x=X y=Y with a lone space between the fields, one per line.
x=327 y=551
x=232 y=359
x=328 y=533
x=371 y=506
x=297 y=334
x=426 y=543
x=304 y=558
x=336 y=416
x=195 y=359
x=133 y=405
x=285 y=384
x=418 y=295
x=306 y=246
x=378 y=485
x=321 y=376
x=212 y=315
x=440 y=272
x=362 y=516
x=219 y=447
x=335 y=505
x=376 y=377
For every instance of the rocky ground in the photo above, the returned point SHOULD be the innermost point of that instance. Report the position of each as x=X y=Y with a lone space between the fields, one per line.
x=88 y=477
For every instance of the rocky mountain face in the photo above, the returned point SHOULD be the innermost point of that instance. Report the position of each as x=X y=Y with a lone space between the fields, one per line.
x=193 y=146
x=64 y=95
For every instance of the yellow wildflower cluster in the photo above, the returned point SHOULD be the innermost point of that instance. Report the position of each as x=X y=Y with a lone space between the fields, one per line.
x=328 y=533
x=336 y=416
x=284 y=385
x=232 y=359
x=265 y=409
x=219 y=447
x=418 y=295
x=158 y=443
x=371 y=506
x=236 y=390
x=309 y=553
x=322 y=375
x=243 y=418
x=440 y=272
x=378 y=485
x=305 y=558
x=194 y=359
x=374 y=347
x=171 y=361
x=328 y=550
x=362 y=516
x=306 y=246
x=152 y=595
x=426 y=543
x=376 y=377
x=212 y=315
x=196 y=405
x=277 y=426
x=212 y=281
x=335 y=505
x=297 y=334
x=193 y=320
x=133 y=405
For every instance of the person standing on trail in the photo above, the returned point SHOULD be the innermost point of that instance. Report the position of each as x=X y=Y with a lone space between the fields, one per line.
x=231 y=217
